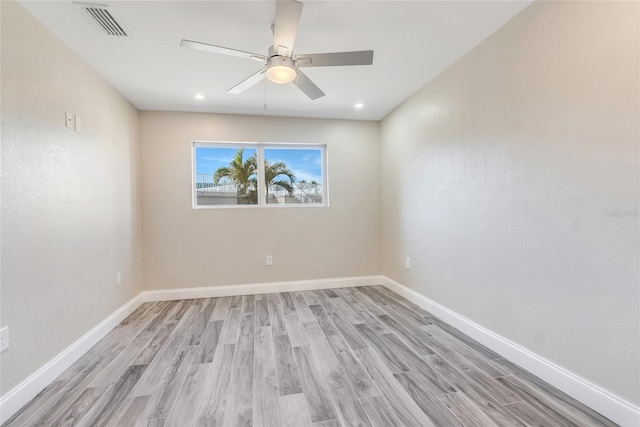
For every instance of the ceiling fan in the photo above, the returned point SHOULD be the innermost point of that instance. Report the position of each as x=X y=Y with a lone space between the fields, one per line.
x=280 y=64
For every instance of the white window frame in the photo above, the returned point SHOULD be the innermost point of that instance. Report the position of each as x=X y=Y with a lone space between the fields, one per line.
x=260 y=147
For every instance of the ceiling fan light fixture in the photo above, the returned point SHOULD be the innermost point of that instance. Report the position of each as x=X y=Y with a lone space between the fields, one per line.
x=281 y=69
x=281 y=74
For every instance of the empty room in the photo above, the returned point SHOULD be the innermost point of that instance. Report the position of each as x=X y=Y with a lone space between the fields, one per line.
x=320 y=213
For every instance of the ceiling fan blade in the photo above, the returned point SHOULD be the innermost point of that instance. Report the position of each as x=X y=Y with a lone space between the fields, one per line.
x=222 y=50
x=308 y=87
x=249 y=81
x=286 y=26
x=360 y=57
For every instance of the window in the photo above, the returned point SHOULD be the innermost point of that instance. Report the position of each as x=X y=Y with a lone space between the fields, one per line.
x=227 y=175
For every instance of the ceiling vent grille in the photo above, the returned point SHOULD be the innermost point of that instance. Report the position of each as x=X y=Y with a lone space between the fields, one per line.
x=102 y=16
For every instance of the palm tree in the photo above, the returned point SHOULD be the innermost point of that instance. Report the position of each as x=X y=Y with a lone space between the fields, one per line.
x=243 y=174
x=278 y=174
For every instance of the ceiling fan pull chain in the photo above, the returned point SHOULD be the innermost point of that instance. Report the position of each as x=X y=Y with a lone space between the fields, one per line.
x=297 y=94
x=264 y=91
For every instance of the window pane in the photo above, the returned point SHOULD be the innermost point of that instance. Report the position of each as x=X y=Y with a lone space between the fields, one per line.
x=226 y=176
x=293 y=175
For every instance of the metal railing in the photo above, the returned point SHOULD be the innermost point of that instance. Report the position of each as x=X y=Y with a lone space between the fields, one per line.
x=204 y=182
x=303 y=192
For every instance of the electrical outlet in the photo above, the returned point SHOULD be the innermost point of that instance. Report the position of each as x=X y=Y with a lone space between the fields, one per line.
x=118 y=279
x=269 y=260
x=68 y=117
x=4 y=338
x=407 y=263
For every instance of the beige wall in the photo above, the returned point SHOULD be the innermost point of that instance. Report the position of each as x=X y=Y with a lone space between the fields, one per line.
x=512 y=181
x=70 y=217
x=184 y=247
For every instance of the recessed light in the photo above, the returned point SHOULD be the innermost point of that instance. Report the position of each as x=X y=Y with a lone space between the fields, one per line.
x=199 y=96
x=359 y=105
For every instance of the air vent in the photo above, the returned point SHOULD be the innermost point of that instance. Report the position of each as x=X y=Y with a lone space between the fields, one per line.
x=102 y=15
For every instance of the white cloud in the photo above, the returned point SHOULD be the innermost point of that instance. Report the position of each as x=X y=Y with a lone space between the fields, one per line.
x=306 y=176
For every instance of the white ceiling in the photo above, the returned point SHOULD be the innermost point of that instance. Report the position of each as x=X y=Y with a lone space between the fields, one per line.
x=413 y=42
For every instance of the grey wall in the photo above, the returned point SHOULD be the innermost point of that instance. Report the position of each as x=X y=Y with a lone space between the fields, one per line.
x=512 y=181
x=184 y=247
x=70 y=215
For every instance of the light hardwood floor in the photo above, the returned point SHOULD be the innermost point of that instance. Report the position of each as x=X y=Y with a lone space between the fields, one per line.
x=343 y=357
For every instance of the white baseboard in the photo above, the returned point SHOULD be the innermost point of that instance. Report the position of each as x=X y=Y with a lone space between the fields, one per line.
x=611 y=406
x=260 y=288
x=21 y=394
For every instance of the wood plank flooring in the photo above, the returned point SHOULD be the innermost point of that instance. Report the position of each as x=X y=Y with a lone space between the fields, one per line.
x=342 y=357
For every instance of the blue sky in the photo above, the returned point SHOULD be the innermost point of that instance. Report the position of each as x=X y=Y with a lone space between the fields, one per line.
x=305 y=163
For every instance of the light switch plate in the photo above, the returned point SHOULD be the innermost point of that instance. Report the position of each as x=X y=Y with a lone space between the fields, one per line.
x=77 y=124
